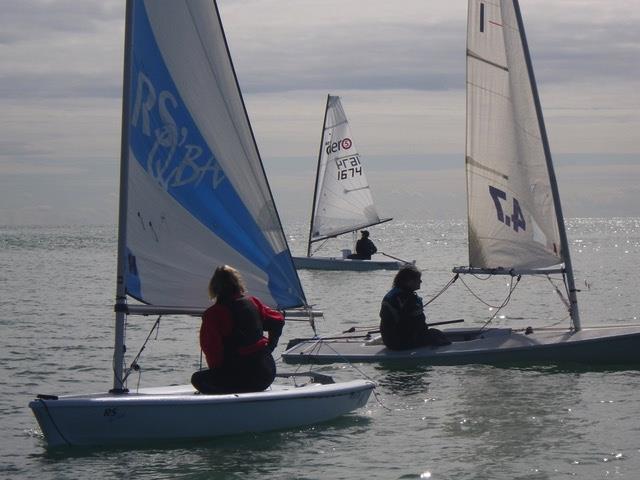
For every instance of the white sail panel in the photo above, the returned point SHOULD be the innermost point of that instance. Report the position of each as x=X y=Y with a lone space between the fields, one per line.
x=197 y=193
x=343 y=197
x=512 y=219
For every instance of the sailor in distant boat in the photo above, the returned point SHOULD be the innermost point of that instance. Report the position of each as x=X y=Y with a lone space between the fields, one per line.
x=402 y=319
x=231 y=337
x=364 y=247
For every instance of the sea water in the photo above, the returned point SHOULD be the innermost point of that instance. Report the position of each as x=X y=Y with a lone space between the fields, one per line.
x=465 y=422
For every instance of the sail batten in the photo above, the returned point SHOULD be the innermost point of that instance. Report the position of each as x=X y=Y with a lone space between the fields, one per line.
x=197 y=193
x=342 y=200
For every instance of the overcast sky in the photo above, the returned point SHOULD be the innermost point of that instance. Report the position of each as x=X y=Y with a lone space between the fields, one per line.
x=399 y=67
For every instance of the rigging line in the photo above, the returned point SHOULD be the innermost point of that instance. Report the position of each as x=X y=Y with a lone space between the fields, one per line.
x=316 y=347
x=451 y=282
x=504 y=304
x=476 y=296
x=295 y=372
x=562 y=298
x=134 y=364
x=375 y=394
x=321 y=245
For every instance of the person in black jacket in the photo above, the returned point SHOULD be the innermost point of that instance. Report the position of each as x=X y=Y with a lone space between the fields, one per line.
x=402 y=320
x=364 y=248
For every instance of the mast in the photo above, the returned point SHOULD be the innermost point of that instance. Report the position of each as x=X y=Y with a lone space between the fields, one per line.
x=564 y=244
x=121 y=299
x=315 y=188
x=466 y=132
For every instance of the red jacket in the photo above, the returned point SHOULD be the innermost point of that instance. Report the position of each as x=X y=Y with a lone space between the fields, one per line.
x=217 y=326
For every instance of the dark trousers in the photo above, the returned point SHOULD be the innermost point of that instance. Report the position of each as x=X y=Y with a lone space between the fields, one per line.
x=251 y=373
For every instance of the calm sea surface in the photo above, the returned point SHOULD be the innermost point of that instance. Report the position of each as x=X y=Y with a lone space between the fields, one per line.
x=468 y=422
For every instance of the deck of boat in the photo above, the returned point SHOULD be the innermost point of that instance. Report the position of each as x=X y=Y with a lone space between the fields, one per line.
x=338 y=263
x=597 y=345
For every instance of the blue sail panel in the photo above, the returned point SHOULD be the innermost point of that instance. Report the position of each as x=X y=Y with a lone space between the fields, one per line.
x=186 y=213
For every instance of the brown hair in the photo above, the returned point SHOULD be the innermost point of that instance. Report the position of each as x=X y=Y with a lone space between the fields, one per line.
x=225 y=283
x=406 y=272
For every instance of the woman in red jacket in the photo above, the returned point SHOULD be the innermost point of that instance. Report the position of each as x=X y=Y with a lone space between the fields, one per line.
x=231 y=337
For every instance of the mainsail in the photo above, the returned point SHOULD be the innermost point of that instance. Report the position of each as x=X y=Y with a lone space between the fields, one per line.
x=195 y=192
x=342 y=199
x=513 y=222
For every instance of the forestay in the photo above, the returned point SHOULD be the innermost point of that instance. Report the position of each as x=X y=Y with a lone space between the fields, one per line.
x=512 y=219
x=197 y=193
x=342 y=201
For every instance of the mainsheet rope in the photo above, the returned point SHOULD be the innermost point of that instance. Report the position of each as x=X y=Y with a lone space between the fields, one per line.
x=316 y=346
x=512 y=287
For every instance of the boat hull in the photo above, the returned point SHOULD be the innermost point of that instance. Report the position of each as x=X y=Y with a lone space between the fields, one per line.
x=178 y=413
x=336 y=263
x=591 y=346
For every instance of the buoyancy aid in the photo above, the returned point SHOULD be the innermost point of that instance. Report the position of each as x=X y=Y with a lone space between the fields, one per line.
x=402 y=318
x=246 y=335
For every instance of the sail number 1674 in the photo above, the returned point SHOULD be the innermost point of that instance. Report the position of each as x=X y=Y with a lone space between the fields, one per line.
x=516 y=219
x=348 y=167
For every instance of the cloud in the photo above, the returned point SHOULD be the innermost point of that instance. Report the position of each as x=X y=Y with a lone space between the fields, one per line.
x=400 y=67
x=61 y=49
x=415 y=44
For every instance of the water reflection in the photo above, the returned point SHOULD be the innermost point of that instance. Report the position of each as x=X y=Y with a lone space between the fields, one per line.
x=402 y=380
x=510 y=413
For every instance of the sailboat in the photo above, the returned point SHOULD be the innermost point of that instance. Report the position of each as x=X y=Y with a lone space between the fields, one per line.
x=342 y=200
x=515 y=222
x=193 y=195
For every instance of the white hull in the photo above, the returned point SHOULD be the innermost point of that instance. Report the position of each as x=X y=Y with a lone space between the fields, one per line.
x=337 y=263
x=600 y=345
x=178 y=413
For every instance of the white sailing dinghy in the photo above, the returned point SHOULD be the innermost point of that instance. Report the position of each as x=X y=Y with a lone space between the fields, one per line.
x=342 y=201
x=516 y=226
x=193 y=195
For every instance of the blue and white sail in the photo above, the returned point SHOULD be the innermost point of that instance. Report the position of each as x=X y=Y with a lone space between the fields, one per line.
x=197 y=194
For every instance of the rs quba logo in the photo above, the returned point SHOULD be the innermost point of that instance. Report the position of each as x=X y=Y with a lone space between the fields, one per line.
x=344 y=144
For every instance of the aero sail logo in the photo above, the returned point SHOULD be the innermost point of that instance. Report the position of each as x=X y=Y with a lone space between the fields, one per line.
x=344 y=144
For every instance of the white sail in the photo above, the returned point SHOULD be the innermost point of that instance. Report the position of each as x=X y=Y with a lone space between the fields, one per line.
x=343 y=201
x=197 y=192
x=512 y=219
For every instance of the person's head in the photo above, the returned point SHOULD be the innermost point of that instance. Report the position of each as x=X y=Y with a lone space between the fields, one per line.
x=365 y=233
x=408 y=278
x=226 y=283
